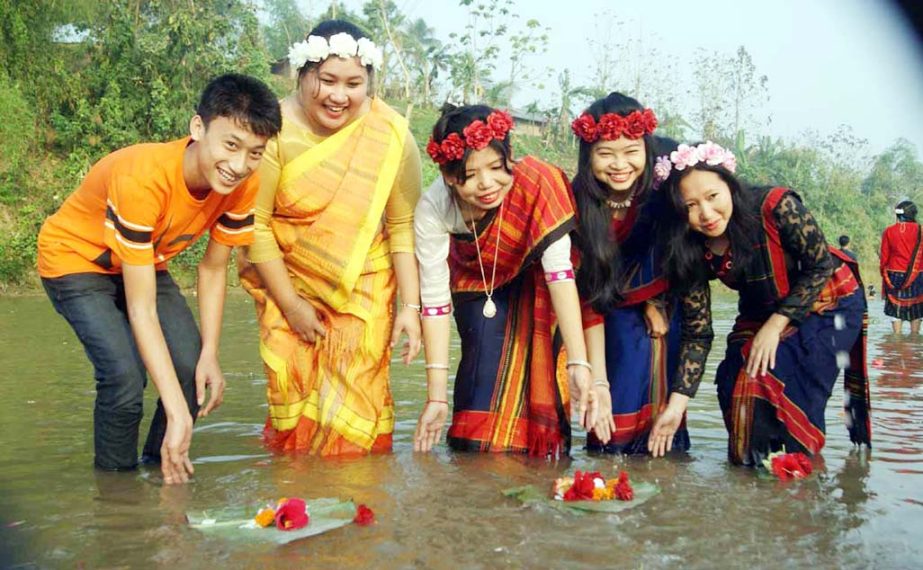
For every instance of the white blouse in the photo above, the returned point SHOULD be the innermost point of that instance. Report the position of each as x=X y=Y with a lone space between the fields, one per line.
x=435 y=219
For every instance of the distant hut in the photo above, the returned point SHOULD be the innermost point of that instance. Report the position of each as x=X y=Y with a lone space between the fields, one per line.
x=531 y=124
x=282 y=68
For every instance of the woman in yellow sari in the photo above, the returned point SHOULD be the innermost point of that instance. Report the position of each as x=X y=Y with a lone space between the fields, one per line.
x=334 y=243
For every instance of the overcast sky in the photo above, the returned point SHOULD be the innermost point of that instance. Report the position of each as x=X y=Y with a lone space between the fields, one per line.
x=829 y=62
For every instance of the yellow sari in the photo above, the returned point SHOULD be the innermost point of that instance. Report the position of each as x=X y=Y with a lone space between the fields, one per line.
x=333 y=397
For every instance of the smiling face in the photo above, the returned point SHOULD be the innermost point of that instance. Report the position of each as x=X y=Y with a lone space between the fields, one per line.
x=708 y=202
x=333 y=94
x=223 y=155
x=619 y=163
x=487 y=180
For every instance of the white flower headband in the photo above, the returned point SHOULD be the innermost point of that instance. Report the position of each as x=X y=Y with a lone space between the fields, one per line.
x=317 y=48
x=686 y=156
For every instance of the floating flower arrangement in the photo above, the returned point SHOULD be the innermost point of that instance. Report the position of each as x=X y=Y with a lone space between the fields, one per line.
x=285 y=520
x=788 y=466
x=593 y=486
x=588 y=491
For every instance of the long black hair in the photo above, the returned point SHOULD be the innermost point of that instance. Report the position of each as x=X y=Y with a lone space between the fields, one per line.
x=685 y=247
x=600 y=278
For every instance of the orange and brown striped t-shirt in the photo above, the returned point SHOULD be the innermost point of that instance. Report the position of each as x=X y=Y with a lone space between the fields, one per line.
x=134 y=207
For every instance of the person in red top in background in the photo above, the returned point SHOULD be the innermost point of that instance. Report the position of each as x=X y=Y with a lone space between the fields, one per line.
x=901 y=265
x=103 y=261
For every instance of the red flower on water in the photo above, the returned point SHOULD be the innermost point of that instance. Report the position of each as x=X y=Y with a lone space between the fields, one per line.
x=584 y=127
x=500 y=123
x=364 y=516
x=453 y=147
x=582 y=489
x=292 y=514
x=477 y=135
x=623 y=490
x=787 y=466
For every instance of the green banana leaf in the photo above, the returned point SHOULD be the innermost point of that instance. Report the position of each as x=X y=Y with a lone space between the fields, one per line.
x=237 y=524
x=530 y=495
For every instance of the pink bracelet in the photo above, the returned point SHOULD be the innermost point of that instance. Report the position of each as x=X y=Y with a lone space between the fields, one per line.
x=566 y=275
x=438 y=311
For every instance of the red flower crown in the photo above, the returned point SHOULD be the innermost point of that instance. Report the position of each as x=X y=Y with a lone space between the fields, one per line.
x=612 y=126
x=478 y=135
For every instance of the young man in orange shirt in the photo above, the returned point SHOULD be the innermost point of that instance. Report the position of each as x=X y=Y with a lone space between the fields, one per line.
x=103 y=262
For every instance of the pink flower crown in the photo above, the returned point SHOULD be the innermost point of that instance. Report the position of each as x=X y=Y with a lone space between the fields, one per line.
x=686 y=156
x=612 y=126
x=477 y=135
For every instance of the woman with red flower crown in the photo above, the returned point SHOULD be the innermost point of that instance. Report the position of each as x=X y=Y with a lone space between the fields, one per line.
x=802 y=310
x=492 y=240
x=631 y=322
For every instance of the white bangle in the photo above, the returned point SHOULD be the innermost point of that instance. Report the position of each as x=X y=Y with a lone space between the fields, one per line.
x=601 y=382
x=583 y=363
x=436 y=366
x=416 y=308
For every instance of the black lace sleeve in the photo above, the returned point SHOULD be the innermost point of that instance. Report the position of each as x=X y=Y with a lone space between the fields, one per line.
x=802 y=239
x=696 y=337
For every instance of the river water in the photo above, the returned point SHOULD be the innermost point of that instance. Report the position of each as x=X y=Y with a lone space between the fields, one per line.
x=442 y=510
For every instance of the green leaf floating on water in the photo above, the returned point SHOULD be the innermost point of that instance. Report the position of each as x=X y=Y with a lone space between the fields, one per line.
x=530 y=495
x=237 y=524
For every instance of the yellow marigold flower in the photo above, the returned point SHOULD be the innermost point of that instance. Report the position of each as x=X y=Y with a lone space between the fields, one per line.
x=602 y=494
x=266 y=517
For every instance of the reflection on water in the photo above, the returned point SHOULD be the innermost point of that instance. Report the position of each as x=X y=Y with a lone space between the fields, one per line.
x=441 y=510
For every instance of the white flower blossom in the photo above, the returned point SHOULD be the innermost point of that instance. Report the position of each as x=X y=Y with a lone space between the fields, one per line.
x=298 y=54
x=343 y=45
x=369 y=53
x=318 y=50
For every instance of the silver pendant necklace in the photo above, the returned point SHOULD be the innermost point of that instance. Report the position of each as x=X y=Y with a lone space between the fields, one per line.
x=490 y=308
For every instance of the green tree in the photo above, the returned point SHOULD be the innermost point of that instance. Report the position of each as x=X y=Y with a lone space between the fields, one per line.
x=896 y=174
x=285 y=25
x=524 y=43
x=147 y=63
x=428 y=57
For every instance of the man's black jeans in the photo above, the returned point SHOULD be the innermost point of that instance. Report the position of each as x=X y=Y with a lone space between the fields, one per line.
x=94 y=305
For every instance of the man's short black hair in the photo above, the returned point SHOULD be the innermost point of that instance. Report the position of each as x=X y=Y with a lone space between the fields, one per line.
x=244 y=99
x=844 y=240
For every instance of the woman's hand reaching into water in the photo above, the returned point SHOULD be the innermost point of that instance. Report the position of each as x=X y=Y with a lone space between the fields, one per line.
x=667 y=424
x=582 y=397
x=605 y=425
x=429 y=426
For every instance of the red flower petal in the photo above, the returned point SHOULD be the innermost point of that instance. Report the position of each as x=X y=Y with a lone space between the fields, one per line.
x=364 y=516
x=500 y=123
x=292 y=514
x=453 y=147
x=584 y=127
